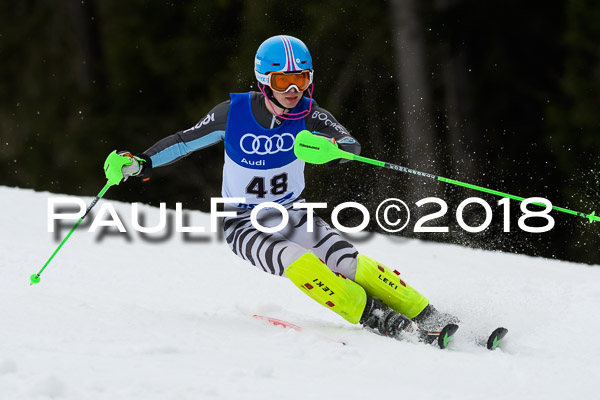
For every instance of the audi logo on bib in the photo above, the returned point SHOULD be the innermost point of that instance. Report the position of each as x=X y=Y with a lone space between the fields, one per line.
x=262 y=144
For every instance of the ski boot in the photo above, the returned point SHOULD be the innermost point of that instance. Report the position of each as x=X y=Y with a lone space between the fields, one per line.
x=430 y=319
x=381 y=319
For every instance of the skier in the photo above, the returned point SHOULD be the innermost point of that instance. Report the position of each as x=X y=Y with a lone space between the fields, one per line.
x=258 y=130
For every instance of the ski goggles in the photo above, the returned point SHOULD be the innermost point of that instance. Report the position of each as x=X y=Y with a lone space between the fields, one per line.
x=283 y=81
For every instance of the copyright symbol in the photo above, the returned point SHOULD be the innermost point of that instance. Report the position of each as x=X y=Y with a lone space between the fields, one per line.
x=393 y=206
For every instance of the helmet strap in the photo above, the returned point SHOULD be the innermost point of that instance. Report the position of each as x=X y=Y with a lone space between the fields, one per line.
x=268 y=93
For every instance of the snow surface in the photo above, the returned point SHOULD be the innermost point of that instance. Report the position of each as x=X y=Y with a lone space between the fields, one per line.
x=113 y=319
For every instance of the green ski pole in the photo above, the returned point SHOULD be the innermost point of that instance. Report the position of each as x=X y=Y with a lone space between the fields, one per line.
x=35 y=278
x=114 y=177
x=320 y=150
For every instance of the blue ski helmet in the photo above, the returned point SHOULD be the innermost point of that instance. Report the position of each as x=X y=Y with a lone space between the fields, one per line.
x=281 y=54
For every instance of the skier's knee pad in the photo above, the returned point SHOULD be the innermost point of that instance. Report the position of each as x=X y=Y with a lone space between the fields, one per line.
x=379 y=281
x=335 y=292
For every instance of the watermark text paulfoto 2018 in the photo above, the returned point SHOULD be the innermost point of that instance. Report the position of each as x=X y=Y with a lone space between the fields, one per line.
x=391 y=215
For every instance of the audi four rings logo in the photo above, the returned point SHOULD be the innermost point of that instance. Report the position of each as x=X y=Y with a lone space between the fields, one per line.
x=261 y=144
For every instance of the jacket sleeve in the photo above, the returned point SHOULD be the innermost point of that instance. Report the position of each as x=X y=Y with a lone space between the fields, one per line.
x=209 y=131
x=323 y=122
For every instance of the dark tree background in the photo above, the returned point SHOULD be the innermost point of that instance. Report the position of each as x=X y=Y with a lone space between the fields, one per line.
x=501 y=94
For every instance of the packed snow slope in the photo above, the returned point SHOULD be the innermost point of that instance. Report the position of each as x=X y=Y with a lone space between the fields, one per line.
x=117 y=319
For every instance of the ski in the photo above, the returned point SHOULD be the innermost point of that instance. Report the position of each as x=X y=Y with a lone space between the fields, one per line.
x=277 y=322
x=493 y=341
x=441 y=338
x=289 y=325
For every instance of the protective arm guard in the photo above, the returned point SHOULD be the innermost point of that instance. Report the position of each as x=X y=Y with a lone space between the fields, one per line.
x=379 y=281
x=335 y=292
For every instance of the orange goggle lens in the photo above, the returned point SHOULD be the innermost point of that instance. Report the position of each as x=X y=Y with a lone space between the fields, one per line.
x=281 y=82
